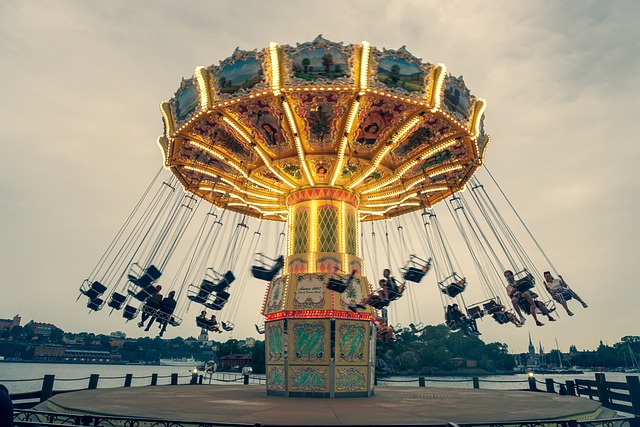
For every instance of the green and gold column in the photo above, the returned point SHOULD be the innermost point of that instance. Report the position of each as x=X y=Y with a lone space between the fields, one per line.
x=315 y=346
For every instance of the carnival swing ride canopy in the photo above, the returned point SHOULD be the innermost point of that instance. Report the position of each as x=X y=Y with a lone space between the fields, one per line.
x=397 y=133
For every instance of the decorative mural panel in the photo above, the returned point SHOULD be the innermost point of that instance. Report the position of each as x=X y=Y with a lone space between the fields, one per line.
x=276 y=292
x=275 y=378
x=309 y=292
x=301 y=231
x=309 y=339
x=350 y=233
x=275 y=341
x=215 y=134
x=356 y=264
x=457 y=99
x=430 y=131
x=320 y=113
x=187 y=100
x=320 y=62
x=378 y=118
x=328 y=228
x=351 y=339
x=400 y=72
x=350 y=379
x=240 y=74
x=353 y=294
x=308 y=379
x=264 y=118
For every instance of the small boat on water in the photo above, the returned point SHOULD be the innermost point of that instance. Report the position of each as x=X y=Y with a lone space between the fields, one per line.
x=184 y=361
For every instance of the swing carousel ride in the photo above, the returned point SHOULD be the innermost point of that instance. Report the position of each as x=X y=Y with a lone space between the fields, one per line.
x=324 y=139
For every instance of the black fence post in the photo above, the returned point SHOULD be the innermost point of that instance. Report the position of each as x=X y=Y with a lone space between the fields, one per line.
x=246 y=379
x=200 y=379
x=550 y=386
x=154 y=379
x=127 y=380
x=634 y=393
x=93 y=381
x=194 y=378
x=571 y=387
x=174 y=379
x=375 y=379
x=420 y=381
x=603 y=391
x=47 y=387
x=476 y=382
x=532 y=384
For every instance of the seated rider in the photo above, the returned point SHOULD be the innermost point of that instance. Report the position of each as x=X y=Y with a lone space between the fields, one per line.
x=167 y=307
x=459 y=319
x=501 y=315
x=560 y=291
x=378 y=297
x=527 y=298
x=385 y=332
x=152 y=302
x=391 y=281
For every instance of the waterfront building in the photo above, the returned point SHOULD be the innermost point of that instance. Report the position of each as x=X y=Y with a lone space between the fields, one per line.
x=10 y=323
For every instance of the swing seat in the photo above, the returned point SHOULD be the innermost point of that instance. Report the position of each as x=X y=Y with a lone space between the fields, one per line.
x=396 y=294
x=262 y=271
x=219 y=302
x=204 y=323
x=148 y=276
x=227 y=326
x=475 y=312
x=117 y=301
x=130 y=312
x=523 y=281
x=144 y=293
x=501 y=318
x=94 y=290
x=454 y=289
x=416 y=329
x=415 y=269
x=225 y=282
x=454 y=326
x=379 y=304
x=95 y=304
x=338 y=283
x=524 y=305
x=492 y=306
x=260 y=330
x=168 y=318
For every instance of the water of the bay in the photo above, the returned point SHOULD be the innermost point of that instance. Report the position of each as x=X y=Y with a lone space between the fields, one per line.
x=26 y=377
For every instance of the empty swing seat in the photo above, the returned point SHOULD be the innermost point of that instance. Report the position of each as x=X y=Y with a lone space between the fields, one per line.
x=219 y=302
x=414 y=274
x=224 y=283
x=130 y=312
x=117 y=301
x=148 y=276
x=144 y=293
x=95 y=304
x=262 y=271
x=415 y=269
x=339 y=284
x=227 y=326
x=454 y=289
x=260 y=330
x=93 y=291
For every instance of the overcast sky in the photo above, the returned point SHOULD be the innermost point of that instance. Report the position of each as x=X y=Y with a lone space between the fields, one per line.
x=81 y=81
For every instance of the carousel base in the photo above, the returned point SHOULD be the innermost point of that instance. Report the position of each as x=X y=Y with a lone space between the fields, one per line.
x=388 y=406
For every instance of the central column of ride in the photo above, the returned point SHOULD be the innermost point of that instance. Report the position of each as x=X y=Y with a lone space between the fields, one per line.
x=315 y=346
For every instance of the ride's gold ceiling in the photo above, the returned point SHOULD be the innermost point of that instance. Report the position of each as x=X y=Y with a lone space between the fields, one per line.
x=398 y=133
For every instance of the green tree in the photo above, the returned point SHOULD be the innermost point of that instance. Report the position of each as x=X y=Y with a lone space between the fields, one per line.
x=258 y=362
